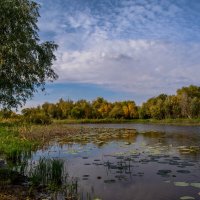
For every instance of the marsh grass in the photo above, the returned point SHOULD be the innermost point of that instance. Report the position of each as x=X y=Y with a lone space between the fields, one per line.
x=17 y=141
x=178 y=121
x=12 y=146
x=48 y=172
x=50 y=175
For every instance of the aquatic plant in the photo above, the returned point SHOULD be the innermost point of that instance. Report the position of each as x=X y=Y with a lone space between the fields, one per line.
x=47 y=172
x=50 y=175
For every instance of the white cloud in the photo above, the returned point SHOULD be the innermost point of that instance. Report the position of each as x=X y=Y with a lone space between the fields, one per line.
x=137 y=66
x=138 y=46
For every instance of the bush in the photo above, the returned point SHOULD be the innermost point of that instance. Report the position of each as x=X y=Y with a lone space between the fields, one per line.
x=38 y=118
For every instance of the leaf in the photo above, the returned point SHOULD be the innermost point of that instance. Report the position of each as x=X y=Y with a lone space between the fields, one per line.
x=197 y=185
x=186 y=198
x=181 y=184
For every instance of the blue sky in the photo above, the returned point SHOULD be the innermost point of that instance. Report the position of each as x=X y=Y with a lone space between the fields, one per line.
x=121 y=49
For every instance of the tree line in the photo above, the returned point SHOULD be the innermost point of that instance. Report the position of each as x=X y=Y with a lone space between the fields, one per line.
x=185 y=104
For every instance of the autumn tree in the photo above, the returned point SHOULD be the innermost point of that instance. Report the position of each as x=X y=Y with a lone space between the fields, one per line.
x=97 y=104
x=117 y=111
x=130 y=110
x=172 y=107
x=186 y=96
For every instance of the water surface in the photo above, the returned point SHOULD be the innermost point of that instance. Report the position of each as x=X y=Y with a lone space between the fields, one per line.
x=159 y=162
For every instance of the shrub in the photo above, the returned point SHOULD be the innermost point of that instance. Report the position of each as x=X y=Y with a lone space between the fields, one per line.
x=38 y=118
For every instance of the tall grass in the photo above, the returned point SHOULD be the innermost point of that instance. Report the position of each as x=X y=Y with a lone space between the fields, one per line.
x=50 y=174
x=12 y=146
x=178 y=121
x=47 y=172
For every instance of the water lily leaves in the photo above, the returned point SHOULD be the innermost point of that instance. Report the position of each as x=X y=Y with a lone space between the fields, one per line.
x=164 y=172
x=197 y=185
x=186 y=198
x=72 y=151
x=189 y=149
x=86 y=175
x=183 y=171
x=181 y=184
x=167 y=181
x=87 y=164
x=109 y=181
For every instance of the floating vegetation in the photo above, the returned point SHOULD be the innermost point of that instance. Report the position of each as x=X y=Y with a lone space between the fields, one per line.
x=110 y=181
x=186 y=198
x=181 y=184
x=189 y=149
x=96 y=198
x=164 y=172
x=196 y=185
x=153 y=134
x=183 y=171
x=102 y=156
x=100 y=136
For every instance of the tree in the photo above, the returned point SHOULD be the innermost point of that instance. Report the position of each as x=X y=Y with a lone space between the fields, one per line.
x=195 y=107
x=25 y=63
x=189 y=97
x=130 y=110
x=97 y=106
x=117 y=111
x=172 y=107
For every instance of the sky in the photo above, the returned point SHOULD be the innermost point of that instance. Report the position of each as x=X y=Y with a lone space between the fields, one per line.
x=120 y=49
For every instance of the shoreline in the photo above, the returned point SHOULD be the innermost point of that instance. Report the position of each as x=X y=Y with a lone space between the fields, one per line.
x=178 y=122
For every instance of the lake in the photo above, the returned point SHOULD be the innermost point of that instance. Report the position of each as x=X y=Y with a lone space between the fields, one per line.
x=131 y=161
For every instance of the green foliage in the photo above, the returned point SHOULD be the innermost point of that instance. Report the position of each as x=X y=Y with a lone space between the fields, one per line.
x=117 y=111
x=11 y=145
x=36 y=116
x=77 y=112
x=186 y=104
x=25 y=62
x=47 y=173
x=6 y=113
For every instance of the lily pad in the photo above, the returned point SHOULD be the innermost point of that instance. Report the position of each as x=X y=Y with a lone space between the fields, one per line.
x=183 y=171
x=186 y=198
x=167 y=181
x=181 y=184
x=196 y=185
x=164 y=172
x=109 y=181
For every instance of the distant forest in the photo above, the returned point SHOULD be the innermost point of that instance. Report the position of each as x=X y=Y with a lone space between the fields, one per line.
x=185 y=104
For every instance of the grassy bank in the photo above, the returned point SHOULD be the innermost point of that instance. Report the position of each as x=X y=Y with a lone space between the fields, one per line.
x=145 y=121
x=17 y=141
x=16 y=137
x=12 y=143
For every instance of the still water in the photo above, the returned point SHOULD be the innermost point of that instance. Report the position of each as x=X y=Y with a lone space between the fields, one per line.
x=155 y=162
